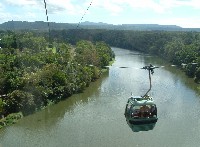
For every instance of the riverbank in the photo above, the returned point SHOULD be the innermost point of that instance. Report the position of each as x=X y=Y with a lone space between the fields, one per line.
x=10 y=119
x=34 y=77
x=95 y=116
x=13 y=118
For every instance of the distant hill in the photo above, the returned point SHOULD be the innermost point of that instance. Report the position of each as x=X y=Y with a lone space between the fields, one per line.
x=37 y=25
x=40 y=25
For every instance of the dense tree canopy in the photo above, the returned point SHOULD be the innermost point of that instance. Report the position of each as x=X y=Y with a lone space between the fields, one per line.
x=180 y=48
x=34 y=75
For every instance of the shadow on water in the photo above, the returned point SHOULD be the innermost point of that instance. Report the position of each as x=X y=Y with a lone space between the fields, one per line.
x=141 y=127
x=138 y=120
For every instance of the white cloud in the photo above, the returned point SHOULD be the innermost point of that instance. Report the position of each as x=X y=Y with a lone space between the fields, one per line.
x=1 y=6
x=112 y=6
x=146 y=4
x=170 y=4
x=106 y=10
x=194 y=4
x=22 y=2
x=184 y=22
x=66 y=7
x=8 y=17
x=158 y=6
x=118 y=6
x=59 y=5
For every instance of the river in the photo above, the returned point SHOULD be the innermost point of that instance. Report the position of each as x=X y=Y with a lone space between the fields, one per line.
x=95 y=118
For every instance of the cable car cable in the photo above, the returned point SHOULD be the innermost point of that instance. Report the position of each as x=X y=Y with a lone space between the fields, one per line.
x=45 y=5
x=84 y=15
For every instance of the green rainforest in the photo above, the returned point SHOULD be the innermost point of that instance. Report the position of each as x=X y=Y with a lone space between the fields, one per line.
x=35 y=74
x=38 y=69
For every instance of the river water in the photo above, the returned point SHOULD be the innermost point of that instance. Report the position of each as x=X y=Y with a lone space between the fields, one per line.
x=95 y=118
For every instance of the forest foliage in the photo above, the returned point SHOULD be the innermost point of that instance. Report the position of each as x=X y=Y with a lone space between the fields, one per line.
x=35 y=73
x=32 y=75
x=179 y=48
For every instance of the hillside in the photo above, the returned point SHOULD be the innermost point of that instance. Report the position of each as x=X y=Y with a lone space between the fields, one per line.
x=40 y=25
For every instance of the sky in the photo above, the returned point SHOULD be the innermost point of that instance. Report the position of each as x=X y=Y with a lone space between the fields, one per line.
x=184 y=13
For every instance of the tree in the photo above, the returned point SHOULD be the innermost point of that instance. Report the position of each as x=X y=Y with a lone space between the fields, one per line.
x=20 y=101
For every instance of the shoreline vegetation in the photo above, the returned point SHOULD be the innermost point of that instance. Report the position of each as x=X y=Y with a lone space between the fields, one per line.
x=39 y=69
x=177 y=47
x=35 y=74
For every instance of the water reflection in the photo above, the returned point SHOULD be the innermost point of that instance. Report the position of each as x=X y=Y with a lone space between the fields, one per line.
x=95 y=117
x=50 y=117
x=178 y=73
x=141 y=127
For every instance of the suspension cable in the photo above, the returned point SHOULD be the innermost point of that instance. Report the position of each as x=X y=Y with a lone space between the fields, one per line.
x=45 y=5
x=84 y=14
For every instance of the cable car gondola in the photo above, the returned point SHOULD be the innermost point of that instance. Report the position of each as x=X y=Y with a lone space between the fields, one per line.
x=142 y=109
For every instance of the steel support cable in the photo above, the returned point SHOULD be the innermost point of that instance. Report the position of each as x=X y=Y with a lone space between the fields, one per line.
x=45 y=5
x=84 y=14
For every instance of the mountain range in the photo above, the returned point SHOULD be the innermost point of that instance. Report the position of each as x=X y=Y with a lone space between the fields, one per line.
x=41 y=25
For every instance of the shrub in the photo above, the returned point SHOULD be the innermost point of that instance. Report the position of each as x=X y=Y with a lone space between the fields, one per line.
x=20 y=101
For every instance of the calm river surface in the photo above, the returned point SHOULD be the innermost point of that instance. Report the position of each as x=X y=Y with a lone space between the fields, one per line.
x=95 y=118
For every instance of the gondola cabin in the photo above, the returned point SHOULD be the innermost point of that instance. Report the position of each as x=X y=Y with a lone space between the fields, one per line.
x=141 y=110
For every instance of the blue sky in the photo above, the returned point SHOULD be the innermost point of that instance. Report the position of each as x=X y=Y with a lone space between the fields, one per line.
x=184 y=13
